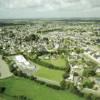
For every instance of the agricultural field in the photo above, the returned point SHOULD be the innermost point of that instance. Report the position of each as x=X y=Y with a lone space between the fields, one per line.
x=16 y=86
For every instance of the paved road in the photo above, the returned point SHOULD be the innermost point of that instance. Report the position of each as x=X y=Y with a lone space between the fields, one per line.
x=4 y=69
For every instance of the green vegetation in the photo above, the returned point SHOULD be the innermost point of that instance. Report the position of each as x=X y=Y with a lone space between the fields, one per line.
x=49 y=74
x=59 y=62
x=16 y=86
x=89 y=72
x=88 y=83
x=63 y=84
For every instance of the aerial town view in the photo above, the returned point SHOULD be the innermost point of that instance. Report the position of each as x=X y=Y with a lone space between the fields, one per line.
x=49 y=58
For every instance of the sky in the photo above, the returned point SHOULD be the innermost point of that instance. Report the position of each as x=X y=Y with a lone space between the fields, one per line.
x=49 y=8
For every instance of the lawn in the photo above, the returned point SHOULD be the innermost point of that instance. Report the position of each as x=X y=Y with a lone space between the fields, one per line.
x=50 y=74
x=34 y=91
x=47 y=73
x=59 y=61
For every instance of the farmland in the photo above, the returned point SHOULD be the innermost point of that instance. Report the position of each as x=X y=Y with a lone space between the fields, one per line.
x=33 y=90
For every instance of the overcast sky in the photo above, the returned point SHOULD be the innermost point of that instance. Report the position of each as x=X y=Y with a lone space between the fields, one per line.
x=49 y=8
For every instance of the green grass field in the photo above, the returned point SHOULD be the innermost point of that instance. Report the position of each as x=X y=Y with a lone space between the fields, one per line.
x=20 y=86
x=50 y=74
x=59 y=62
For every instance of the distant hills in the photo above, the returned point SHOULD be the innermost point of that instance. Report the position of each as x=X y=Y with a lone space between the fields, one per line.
x=26 y=20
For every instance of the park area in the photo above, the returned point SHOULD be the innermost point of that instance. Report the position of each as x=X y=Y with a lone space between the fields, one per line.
x=44 y=72
x=59 y=61
x=49 y=74
x=16 y=86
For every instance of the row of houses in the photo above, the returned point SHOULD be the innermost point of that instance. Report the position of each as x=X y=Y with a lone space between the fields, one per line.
x=93 y=54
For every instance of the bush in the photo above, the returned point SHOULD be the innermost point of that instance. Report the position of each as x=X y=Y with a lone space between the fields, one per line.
x=2 y=89
x=22 y=97
x=53 y=86
x=65 y=75
x=33 y=78
x=12 y=68
x=67 y=85
x=67 y=69
x=40 y=82
x=88 y=83
x=88 y=96
x=89 y=72
x=72 y=88
x=63 y=84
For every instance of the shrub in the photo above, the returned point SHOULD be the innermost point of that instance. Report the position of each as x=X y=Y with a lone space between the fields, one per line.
x=22 y=97
x=63 y=84
x=88 y=83
x=65 y=75
x=2 y=89
x=89 y=72
x=53 y=86
x=88 y=96
x=72 y=88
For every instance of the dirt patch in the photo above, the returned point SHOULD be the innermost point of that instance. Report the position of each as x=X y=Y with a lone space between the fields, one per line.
x=4 y=69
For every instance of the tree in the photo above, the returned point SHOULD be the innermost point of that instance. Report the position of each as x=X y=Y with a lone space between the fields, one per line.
x=72 y=87
x=31 y=37
x=88 y=83
x=63 y=84
x=79 y=50
x=76 y=74
x=88 y=96
x=65 y=75
x=67 y=67
x=2 y=89
x=89 y=72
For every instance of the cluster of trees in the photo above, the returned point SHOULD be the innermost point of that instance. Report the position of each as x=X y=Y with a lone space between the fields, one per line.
x=79 y=50
x=89 y=72
x=49 y=30
x=63 y=84
x=32 y=37
x=88 y=83
x=67 y=72
x=90 y=96
x=70 y=86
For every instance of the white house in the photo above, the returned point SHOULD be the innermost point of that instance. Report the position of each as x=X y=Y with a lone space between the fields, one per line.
x=23 y=63
x=98 y=71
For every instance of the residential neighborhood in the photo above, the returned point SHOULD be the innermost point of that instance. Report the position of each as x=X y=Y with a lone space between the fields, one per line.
x=59 y=54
